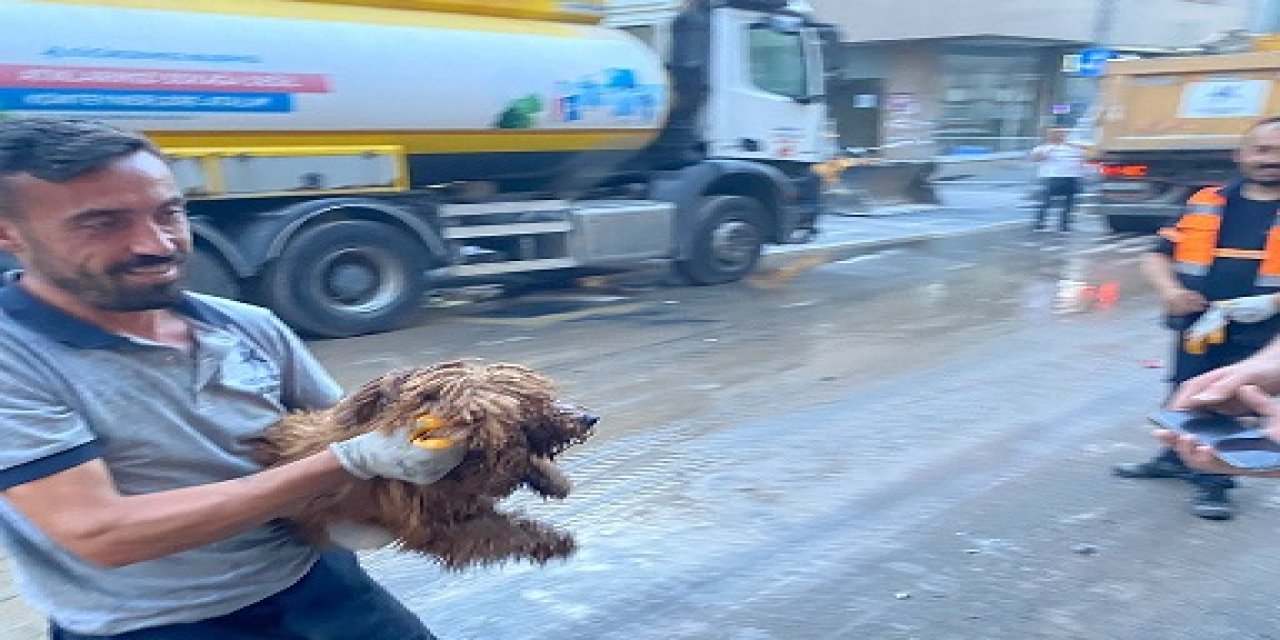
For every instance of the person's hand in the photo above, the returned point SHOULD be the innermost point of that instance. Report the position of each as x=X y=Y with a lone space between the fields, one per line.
x=1181 y=301
x=1219 y=390
x=398 y=457
x=1249 y=309
x=1195 y=455
x=1201 y=457
x=1209 y=328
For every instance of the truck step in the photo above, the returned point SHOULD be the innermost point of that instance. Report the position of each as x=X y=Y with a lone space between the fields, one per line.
x=506 y=230
x=499 y=208
x=514 y=266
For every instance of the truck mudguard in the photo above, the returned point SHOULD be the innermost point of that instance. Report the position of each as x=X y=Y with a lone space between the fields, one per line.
x=250 y=245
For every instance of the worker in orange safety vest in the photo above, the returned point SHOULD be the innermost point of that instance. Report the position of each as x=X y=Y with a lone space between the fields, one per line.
x=1217 y=272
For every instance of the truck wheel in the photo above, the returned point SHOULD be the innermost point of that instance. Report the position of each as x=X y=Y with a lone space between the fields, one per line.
x=208 y=273
x=728 y=243
x=347 y=278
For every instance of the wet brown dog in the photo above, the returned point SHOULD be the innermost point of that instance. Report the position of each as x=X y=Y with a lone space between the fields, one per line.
x=513 y=428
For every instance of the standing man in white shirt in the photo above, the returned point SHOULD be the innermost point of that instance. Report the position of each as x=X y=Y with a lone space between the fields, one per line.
x=1061 y=167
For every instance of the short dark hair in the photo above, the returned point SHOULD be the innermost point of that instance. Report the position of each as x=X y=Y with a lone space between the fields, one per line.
x=58 y=150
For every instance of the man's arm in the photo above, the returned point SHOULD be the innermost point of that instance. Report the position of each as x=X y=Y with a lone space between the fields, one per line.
x=81 y=509
x=1176 y=299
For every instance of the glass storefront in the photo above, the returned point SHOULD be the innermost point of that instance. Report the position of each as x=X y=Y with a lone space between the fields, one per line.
x=989 y=103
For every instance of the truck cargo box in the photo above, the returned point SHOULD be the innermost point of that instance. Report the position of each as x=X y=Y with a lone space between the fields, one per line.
x=1195 y=103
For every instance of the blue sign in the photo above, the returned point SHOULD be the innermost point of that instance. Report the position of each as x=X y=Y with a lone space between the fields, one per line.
x=100 y=100
x=1094 y=61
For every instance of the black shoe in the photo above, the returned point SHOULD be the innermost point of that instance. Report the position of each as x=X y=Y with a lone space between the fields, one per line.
x=1150 y=469
x=1212 y=503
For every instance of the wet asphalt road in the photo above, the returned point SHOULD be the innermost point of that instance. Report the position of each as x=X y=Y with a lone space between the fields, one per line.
x=911 y=443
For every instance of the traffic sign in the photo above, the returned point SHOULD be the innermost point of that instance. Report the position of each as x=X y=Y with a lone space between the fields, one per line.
x=1094 y=61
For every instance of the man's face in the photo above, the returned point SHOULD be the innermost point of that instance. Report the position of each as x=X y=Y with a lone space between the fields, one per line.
x=115 y=239
x=1259 y=156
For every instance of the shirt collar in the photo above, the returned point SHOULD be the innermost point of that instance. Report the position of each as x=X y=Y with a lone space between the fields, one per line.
x=45 y=319
x=1232 y=189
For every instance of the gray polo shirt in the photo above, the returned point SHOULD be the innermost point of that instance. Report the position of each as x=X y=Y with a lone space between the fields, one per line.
x=161 y=418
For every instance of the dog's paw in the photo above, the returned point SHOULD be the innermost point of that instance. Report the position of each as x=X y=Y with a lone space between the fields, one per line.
x=358 y=537
x=546 y=478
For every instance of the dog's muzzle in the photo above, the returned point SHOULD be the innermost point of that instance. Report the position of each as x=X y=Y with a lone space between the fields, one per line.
x=578 y=415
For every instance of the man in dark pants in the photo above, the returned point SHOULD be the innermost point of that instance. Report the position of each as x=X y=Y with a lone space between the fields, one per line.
x=1217 y=271
x=130 y=502
x=1060 y=168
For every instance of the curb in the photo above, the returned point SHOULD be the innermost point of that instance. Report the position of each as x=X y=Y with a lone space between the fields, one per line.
x=887 y=211
x=831 y=252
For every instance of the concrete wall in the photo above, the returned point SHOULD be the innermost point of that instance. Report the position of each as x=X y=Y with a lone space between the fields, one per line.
x=872 y=20
x=910 y=103
x=1136 y=23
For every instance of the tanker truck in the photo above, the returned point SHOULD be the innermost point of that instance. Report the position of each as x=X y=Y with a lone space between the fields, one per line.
x=341 y=157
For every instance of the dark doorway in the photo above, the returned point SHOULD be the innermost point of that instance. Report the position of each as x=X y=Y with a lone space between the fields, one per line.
x=857 y=105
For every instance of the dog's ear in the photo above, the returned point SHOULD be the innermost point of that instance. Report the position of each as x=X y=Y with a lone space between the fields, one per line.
x=361 y=408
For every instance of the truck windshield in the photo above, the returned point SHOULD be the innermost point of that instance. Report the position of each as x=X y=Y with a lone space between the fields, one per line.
x=777 y=61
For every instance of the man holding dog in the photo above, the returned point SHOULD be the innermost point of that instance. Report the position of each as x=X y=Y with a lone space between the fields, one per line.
x=129 y=502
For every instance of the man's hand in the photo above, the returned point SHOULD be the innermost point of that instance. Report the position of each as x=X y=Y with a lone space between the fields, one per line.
x=1209 y=329
x=1250 y=399
x=1180 y=301
x=1249 y=309
x=397 y=457
x=1195 y=455
x=1219 y=390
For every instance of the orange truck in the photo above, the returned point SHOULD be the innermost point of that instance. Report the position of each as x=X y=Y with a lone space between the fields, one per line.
x=1167 y=127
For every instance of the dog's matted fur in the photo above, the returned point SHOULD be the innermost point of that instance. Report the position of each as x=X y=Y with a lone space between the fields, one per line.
x=512 y=426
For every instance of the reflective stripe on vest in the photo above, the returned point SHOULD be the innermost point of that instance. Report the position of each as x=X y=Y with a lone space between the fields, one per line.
x=1269 y=272
x=1195 y=240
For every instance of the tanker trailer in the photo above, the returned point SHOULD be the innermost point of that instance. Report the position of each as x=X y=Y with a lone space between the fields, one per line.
x=339 y=157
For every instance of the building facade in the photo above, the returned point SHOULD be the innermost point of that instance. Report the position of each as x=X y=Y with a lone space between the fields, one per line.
x=920 y=78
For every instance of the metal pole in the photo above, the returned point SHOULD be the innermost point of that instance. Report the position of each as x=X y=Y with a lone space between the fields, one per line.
x=1266 y=17
x=1102 y=22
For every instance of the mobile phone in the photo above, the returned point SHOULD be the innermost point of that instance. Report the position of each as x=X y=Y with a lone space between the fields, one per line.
x=1254 y=454
x=1233 y=440
x=1204 y=424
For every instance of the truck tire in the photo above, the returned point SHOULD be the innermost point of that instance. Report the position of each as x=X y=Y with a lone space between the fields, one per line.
x=347 y=278
x=208 y=273
x=727 y=243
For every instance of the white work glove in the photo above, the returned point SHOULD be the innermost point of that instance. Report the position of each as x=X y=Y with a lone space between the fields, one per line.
x=1250 y=309
x=1209 y=329
x=398 y=456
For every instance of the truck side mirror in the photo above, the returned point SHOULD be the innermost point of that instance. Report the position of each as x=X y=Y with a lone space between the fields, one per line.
x=781 y=24
x=832 y=54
